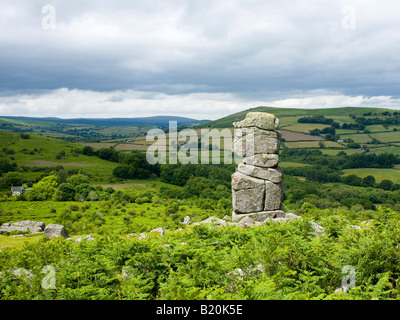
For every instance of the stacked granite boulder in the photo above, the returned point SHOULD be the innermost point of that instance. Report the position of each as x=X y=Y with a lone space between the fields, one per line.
x=257 y=185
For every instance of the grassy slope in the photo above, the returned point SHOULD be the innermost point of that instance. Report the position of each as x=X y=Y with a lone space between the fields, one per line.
x=339 y=113
x=378 y=174
x=39 y=151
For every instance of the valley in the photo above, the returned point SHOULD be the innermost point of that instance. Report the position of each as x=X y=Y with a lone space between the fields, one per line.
x=343 y=174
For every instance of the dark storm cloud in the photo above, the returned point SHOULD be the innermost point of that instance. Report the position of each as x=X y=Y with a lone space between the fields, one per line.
x=245 y=51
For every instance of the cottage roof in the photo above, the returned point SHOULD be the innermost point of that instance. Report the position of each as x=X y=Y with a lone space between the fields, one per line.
x=18 y=188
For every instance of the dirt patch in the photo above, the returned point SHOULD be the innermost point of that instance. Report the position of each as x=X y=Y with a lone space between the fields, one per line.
x=297 y=136
x=45 y=163
x=130 y=147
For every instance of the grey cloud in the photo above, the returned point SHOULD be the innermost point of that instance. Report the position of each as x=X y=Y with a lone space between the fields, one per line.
x=255 y=50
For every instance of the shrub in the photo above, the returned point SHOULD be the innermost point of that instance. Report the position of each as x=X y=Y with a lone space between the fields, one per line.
x=73 y=207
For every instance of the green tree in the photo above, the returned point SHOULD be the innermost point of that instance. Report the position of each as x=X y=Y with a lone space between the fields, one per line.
x=12 y=179
x=386 y=184
x=44 y=189
x=66 y=192
x=78 y=179
x=353 y=180
x=5 y=166
x=25 y=135
x=368 y=181
x=88 y=151
x=92 y=196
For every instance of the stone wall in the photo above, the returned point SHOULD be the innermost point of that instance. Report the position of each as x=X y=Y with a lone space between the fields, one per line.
x=257 y=185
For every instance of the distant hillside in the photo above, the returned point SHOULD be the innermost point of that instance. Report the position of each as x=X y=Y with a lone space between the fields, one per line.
x=226 y=122
x=35 y=151
x=161 y=121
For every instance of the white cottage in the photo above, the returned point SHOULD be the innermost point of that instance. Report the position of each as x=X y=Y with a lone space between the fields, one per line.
x=17 y=191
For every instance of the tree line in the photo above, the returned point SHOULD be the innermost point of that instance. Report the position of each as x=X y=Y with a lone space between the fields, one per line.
x=342 y=160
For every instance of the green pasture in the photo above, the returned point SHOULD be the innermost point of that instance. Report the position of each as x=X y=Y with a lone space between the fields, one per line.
x=360 y=138
x=313 y=144
x=378 y=174
x=39 y=151
x=305 y=127
x=391 y=136
x=334 y=152
x=394 y=150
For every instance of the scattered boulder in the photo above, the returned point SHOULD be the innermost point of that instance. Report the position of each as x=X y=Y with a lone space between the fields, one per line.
x=88 y=237
x=241 y=274
x=186 y=220
x=237 y=273
x=214 y=220
x=276 y=220
x=55 y=231
x=342 y=289
x=319 y=230
x=25 y=226
x=247 y=222
x=142 y=236
x=127 y=272
x=292 y=216
x=20 y=272
x=259 y=216
x=159 y=230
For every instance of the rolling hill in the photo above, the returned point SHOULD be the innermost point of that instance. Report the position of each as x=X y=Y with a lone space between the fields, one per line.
x=39 y=152
x=226 y=122
x=161 y=121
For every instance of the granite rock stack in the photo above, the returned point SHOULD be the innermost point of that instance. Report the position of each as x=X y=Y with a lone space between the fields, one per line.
x=257 y=185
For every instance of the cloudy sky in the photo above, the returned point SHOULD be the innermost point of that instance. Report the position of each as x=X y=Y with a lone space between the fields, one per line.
x=198 y=58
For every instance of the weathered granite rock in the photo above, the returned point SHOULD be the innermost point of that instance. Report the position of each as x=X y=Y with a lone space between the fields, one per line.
x=242 y=181
x=214 y=220
x=262 y=160
x=251 y=141
x=257 y=189
x=273 y=196
x=259 y=216
x=292 y=216
x=318 y=230
x=142 y=236
x=249 y=200
x=271 y=174
x=55 y=231
x=87 y=237
x=25 y=226
x=247 y=221
x=28 y=223
x=186 y=220
x=262 y=120
x=159 y=230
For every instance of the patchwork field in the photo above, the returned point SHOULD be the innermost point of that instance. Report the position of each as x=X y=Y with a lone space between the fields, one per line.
x=394 y=150
x=131 y=147
x=333 y=152
x=298 y=136
x=39 y=151
x=313 y=144
x=391 y=136
x=287 y=164
x=361 y=138
x=99 y=145
x=305 y=127
x=378 y=174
